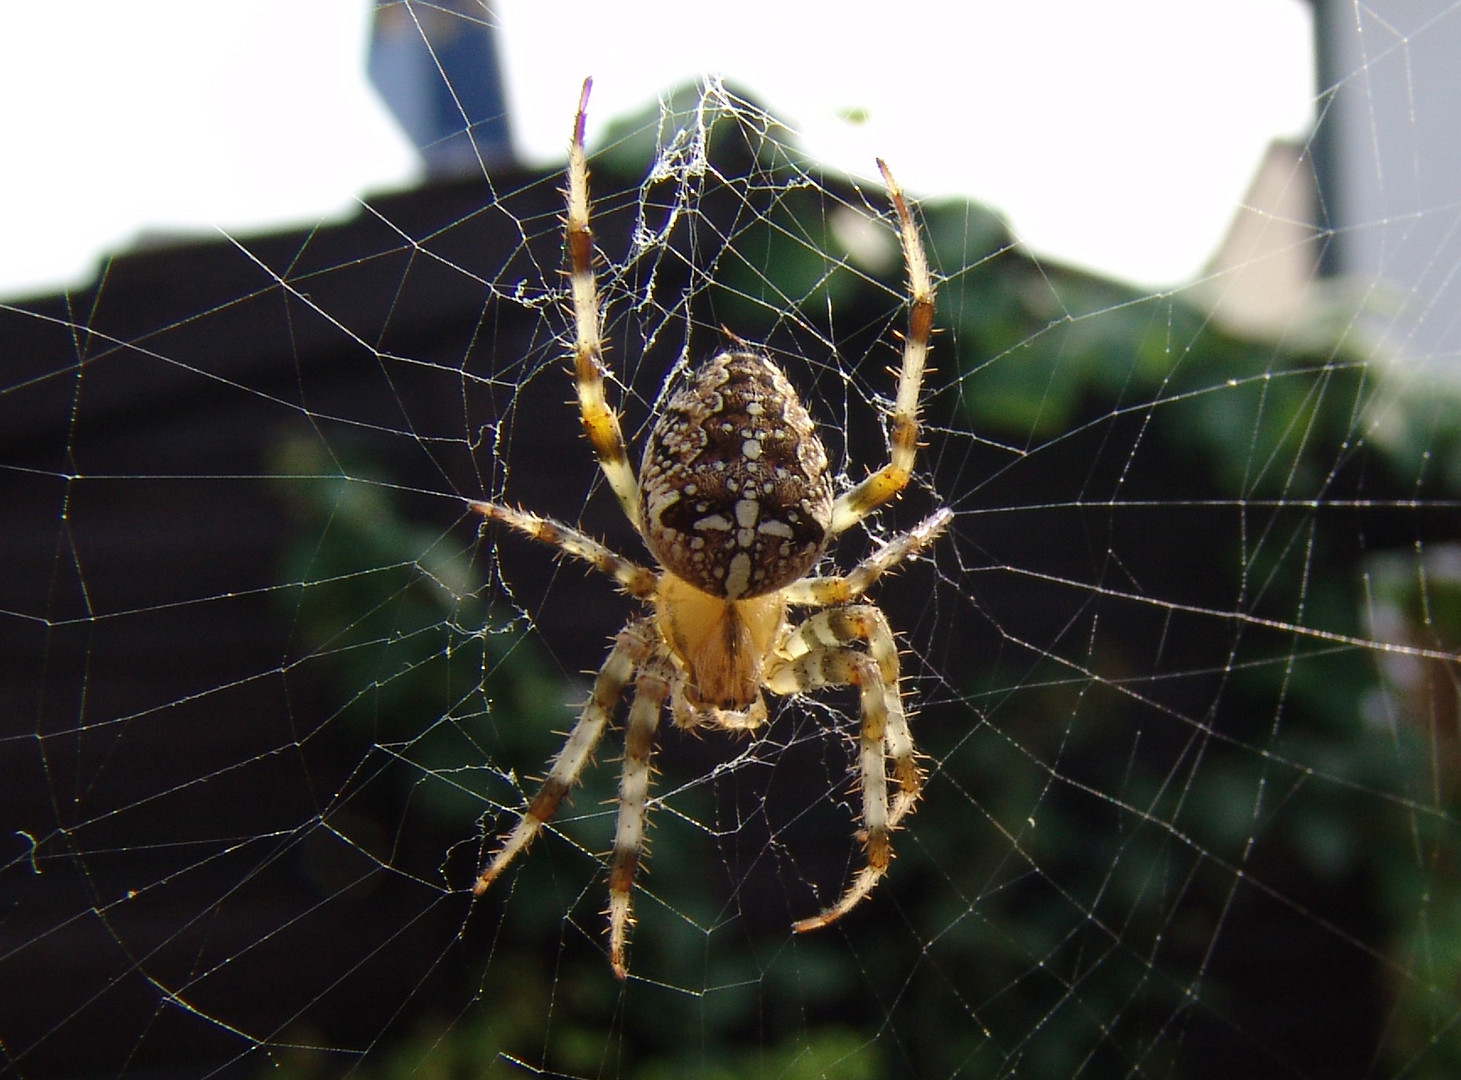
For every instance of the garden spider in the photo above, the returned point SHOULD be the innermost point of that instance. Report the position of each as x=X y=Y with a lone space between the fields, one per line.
x=735 y=502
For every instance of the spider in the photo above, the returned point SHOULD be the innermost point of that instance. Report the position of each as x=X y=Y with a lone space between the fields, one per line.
x=734 y=500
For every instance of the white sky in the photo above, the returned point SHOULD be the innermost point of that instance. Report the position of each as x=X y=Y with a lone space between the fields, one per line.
x=1118 y=135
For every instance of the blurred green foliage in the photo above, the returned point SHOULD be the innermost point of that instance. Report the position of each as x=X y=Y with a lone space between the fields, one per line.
x=1166 y=832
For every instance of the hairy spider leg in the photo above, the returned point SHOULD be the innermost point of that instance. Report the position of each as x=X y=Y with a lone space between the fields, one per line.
x=600 y=421
x=634 y=643
x=845 y=644
x=852 y=506
x=651 y=689
x=632 y=578
x=817 y=654
x=826 y=591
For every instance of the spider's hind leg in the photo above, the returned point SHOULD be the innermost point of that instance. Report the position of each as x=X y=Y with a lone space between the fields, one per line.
x=852 y=506
x=600 y=421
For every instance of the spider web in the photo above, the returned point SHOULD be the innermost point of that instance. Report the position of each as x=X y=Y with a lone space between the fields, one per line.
x=1183 y=667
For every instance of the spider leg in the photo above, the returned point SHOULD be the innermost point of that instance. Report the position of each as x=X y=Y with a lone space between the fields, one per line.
x=825 y=591
x=651 y=689
x=852 y=506
x=817 y=654
x=634 y=643
x=600 y=422
x=632 y=578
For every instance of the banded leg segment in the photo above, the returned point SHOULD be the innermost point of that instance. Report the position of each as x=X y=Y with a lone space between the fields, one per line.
x=600 y=422
x=822 y=592
x=651 y=690
x=818 y=654
x=632 y=578
x=633 y=645
x=854 y=505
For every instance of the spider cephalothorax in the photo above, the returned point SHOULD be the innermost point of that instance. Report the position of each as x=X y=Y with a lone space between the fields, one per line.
x=736 y=504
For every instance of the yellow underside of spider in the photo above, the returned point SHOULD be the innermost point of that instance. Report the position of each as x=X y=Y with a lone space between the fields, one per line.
x=723 y=643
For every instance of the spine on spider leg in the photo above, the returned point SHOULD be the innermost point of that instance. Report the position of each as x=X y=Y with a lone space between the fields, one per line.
x=896 y=550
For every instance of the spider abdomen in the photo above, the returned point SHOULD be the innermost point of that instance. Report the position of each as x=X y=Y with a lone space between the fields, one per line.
x=737 y=499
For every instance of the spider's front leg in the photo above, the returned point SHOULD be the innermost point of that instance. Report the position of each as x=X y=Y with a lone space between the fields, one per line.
x=819 y=653
x=633 y=645
x=651 y=689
